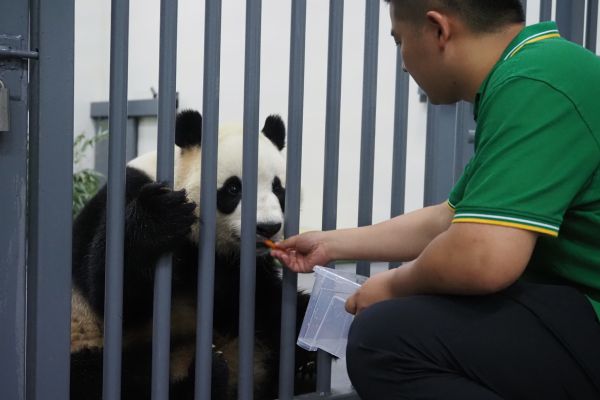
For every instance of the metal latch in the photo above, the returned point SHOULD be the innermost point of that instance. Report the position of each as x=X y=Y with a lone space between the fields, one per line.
x=4 y=108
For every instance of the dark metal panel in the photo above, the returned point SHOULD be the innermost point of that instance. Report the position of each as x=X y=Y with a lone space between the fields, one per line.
x=570 y=17
x=292 y=197
x=545 y=10
x=591 y=31
x=135 y=108
x=208 y=197
x=249 y=181
x=113 y=303
x=101 y=148
x=50 y=182
x=14 y=20
x=439 y=161
x=369 y=106
x=465 y=138
x=166 y=141
x=332 y=156
x=400 y=139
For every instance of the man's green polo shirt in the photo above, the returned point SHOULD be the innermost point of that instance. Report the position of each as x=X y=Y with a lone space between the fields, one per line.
x=537 y=156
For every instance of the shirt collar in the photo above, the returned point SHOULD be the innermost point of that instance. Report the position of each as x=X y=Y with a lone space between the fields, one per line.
x=529 y=34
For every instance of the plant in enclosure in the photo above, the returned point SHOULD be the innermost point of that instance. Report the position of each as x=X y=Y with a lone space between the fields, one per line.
x=86 y=182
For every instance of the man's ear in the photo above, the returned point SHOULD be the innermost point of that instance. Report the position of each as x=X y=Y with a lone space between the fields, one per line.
x=441 y=23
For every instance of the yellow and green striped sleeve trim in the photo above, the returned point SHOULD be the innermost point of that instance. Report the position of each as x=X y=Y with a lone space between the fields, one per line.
x=512 y=222
x=450 y=205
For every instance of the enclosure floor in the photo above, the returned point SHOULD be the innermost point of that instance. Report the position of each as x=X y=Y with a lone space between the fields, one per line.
x=340 y=383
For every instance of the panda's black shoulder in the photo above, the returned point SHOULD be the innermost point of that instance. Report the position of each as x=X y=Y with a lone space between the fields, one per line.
x=86 y=224
x=135 y=180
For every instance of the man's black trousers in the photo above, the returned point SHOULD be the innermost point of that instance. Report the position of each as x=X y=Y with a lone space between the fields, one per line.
x=527 y=342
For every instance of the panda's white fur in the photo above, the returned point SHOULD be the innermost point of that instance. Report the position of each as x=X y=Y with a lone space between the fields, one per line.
x=230 y=160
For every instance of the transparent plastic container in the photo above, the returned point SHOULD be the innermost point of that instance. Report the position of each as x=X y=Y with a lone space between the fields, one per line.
x=326 y=322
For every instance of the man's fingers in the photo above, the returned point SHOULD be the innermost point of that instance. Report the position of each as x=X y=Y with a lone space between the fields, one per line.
x=287 y=243
x=351 y=304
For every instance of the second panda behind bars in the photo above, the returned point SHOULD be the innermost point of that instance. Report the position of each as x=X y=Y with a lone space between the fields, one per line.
x=158 y=221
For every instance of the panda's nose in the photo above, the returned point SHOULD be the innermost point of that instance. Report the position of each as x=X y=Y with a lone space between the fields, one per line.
x=267 y=230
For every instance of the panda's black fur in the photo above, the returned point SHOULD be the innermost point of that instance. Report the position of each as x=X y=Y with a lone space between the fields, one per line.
x=158 y=221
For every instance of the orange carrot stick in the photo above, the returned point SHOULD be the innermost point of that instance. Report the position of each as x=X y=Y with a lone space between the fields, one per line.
x=270 y=244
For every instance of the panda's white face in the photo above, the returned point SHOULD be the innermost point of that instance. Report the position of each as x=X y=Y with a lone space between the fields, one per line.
x=270 y=187
x=270 y=178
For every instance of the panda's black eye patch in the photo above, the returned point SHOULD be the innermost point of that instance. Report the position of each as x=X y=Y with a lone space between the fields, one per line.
x=234 y=187
x=229 y=195
x=279 y=191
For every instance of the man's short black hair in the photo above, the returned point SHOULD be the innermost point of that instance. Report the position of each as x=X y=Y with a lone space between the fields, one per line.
x=479 y=15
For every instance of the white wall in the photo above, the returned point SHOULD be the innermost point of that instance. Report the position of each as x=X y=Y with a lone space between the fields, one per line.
x=92 y=84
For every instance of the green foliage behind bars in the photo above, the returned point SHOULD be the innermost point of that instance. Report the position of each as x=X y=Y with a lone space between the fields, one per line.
x=86 y=182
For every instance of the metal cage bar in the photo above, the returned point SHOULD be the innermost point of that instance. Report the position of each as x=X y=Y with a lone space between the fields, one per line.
x=570 y=17
x=332 y=156
x=591 y=31
x=545 y=10
x=13 y=230
x=113 y=299
x=249 y=181
x=50 y=182
x=400 y=140
x=292 y=196
x=369 y=108
x=161 y=321
x=208 y=198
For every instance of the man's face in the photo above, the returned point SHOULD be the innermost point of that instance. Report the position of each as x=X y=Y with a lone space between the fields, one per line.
x=424 y=59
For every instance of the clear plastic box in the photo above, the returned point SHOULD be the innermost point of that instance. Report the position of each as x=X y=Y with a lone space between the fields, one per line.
x=326 y=322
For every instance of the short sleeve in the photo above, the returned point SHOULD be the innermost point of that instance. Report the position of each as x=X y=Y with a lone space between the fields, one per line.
x=534 y=154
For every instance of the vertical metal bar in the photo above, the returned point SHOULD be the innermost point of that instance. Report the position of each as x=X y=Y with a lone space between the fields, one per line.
x=545 y=10
x=292 y=198
x=50 y=182
x=249 y=181
x=13 y=230
x=164 y=172
x=439 y=162
x=570 y=17
x=115 y=219
x=591 y=25
x=400 y=139
x=208 y=198
x=369 y=103
x=332 y=144
x=332 y=114
x=524 y=4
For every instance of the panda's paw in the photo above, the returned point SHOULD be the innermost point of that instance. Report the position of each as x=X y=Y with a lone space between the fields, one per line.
x=307 y=370
x=169 y=211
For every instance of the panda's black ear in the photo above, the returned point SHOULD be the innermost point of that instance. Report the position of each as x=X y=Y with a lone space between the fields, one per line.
x=188 y=129
x=274 y=130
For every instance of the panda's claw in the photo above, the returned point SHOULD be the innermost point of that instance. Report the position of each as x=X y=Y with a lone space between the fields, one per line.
x=166 y=213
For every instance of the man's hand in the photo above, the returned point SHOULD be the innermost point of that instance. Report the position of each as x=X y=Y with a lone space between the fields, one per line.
x=301 y=253
x=377 y=288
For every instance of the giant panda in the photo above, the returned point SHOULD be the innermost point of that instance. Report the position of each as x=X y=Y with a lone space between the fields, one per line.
x=158 y=221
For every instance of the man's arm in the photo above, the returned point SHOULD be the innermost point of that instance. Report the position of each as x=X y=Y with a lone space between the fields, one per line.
x=402 y=238
x=467 y=259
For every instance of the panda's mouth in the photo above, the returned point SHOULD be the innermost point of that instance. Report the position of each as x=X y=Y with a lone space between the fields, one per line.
x=262 y=249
